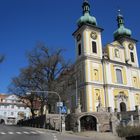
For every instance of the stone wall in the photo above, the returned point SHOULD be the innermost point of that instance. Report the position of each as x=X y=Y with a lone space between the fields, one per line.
x=102 y=118
x=48 y=121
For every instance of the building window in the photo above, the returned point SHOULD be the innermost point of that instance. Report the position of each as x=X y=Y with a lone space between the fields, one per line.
x=119 y=76
x=117 y=53
x=12 y=106
x=132 y=57
x=12 y=113
x=94 y=47
x=79 y=49
x=5 y=113
x=96 y=75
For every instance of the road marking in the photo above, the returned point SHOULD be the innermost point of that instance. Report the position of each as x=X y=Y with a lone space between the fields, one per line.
x=26 y=132
x=33 y=132
x=11 y=133
x=55 y=138
x=18 y=133
x=2 y=133
x=21 y=133
x=40 y=132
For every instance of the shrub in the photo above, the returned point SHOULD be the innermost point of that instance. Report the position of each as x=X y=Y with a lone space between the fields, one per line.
x=126 y=131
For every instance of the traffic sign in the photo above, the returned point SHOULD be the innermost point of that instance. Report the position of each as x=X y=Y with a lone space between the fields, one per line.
x=63 y=109
x=59 y=104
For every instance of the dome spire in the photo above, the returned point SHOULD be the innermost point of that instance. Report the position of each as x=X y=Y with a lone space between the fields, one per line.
x=121 y=31
x=120 y=19
x=86 y=7
x=86 y=18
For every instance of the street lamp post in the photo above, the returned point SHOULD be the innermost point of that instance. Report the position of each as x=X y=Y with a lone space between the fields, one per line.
x=49 y=92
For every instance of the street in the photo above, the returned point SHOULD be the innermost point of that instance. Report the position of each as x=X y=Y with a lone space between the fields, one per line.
x=21 y=133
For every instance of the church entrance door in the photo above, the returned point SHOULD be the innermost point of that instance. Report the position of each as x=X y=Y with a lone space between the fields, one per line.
x=123 y=107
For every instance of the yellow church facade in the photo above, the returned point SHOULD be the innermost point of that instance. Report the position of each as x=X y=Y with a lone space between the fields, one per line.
x=106 y=76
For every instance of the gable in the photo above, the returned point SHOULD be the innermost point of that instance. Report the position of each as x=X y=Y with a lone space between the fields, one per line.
x=12 y=97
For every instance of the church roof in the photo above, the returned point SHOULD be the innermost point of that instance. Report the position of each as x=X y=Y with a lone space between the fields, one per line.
x=122 y=30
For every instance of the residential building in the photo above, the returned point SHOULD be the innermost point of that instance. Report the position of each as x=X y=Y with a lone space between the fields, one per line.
x=12 y=109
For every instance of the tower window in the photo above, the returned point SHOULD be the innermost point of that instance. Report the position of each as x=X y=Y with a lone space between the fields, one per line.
x=132 y=56
x=79 y=49
x=94 y=47
x=119 y=76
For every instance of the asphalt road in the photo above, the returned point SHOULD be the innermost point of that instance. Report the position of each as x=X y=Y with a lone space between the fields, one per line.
x=21 y=133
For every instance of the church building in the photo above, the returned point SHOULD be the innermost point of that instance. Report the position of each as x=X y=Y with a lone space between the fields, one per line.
x=107 y=77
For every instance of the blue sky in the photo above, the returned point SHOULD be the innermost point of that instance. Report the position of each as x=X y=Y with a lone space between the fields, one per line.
x=25 y=23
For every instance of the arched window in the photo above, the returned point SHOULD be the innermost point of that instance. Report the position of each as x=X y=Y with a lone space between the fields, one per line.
x=117 y=53
x=119 y=76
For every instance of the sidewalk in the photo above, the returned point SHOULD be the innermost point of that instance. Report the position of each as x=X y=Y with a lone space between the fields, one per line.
x=95 y=135
x=88 y=134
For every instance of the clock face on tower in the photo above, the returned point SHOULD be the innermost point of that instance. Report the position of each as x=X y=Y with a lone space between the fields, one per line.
x=131 y=46
x=93 y=35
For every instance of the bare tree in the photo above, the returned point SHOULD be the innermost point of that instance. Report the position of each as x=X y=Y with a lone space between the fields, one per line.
x=22 y=84
x=44 y=68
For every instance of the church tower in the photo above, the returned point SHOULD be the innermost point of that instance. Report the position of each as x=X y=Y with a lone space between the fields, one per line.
x=122 y=70
x=88 y=66
x=123 y=35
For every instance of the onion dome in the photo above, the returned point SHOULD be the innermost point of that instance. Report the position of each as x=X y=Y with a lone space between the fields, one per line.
x=121 y=31
x=86 y=18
